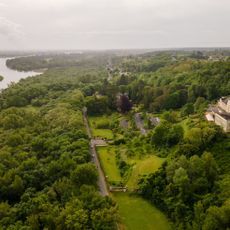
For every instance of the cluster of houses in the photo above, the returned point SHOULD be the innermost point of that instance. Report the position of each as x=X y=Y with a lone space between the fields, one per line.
x=215 y=58
x=220 y=113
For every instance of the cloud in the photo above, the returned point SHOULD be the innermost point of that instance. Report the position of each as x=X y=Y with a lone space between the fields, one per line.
x=114 y=23
x=3 y=5
x=10 y=29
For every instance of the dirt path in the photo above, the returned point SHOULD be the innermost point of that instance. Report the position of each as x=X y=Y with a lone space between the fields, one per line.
x=101 y=180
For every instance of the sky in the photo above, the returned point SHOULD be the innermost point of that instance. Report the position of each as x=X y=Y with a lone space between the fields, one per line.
x=113 y=24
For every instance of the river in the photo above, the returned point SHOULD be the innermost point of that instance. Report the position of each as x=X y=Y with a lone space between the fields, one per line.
x=12 y=75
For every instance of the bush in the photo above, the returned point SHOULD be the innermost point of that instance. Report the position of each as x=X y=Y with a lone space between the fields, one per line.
x=167 y=135
x=103 y=124
x=119 y=141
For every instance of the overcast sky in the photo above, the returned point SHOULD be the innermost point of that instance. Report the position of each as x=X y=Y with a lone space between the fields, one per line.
x=107 y=24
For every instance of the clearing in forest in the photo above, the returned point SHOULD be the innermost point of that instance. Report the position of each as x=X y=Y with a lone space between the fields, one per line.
x=138 y=213
x=107 y=158
x=144 y=166
x=101 y=127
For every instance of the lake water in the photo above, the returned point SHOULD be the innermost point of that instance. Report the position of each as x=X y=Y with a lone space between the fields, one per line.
x=12 y=75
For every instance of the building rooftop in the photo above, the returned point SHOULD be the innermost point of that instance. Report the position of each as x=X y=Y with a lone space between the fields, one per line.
x=225 y=116
x=219 y=111
x=209 y=117
x=225 y=100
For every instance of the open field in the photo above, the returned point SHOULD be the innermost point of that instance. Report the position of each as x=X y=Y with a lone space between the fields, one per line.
x=108 y=163
x=95 y=123
x=103 y=133
x=148 y=165
x=139 y=214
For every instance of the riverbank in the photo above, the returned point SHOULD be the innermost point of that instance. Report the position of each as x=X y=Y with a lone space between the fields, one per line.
x=11 y=75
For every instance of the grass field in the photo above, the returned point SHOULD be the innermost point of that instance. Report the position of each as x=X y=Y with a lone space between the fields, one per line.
x=138 y=214
x=103 y=133
x=144 y=166
x=148 y=164
x=108 y=163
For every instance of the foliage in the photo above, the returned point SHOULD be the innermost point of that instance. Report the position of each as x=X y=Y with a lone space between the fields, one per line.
x=187 y=109
x=96 y=105
x=123 y=103
x=167 y=135
x=46 y=180
x=185 y=188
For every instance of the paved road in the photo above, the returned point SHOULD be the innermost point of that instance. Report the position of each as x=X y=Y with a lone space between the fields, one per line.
x=139 y=123
x=101 y=180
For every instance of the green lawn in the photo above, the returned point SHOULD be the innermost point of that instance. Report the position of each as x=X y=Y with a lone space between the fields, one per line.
x=144 y=166
x=108 y=163
x=104 y=133
x=138 y=214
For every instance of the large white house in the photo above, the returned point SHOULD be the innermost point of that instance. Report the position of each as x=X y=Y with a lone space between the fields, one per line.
x=224 y=104
x=220 y=113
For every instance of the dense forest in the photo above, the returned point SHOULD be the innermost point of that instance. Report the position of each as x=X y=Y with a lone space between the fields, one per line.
x=46 y=178
x=58 y=60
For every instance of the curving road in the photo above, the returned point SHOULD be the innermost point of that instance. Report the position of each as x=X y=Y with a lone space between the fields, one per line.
x=101 y=179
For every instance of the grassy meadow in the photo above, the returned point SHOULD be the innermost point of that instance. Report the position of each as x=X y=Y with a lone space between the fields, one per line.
x=139 y=214
x=108 y=162
x=145 y=166
x=101 y=127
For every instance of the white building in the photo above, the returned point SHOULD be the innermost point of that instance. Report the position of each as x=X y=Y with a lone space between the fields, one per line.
x=220 y=113
x=224 y=104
